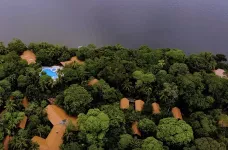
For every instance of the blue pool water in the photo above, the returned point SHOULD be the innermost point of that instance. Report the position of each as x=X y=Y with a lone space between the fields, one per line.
x=51 y=72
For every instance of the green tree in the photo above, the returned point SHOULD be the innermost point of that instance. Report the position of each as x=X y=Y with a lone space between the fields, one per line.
x=105 y=92
x=220 y=57
x=17 y=95
x=147 y=126
x=178 y=69
x=76 y=98
x=175 y=56
x=10 y=121
x=10 y=105
x=151 y=143
x=202 y=124
x=117 y=124
x=203 y=61
x=5 y=84
x=46 y=82
x=115 y=114
x=43 y=130
x=143 y=78
x=174 y=132
x=16 y=45
x=125 y=141
x=22 y=141
x=207 y=143
x=143 y=84
x=191 y=87
x=71 y=146
x=22 y=81
x=95 y=124
x=169 y=94
x=32 y=92
x=200 y=102
x=72 y=75
x=3 y=49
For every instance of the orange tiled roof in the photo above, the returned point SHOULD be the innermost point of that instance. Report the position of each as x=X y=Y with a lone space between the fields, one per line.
x=92 y=82
x=54 y=139
x=139 y=105
x=25 y=102
x=6 y=142
x=124 y=103
x=223 y=123
x=23 y=122
x=55 y=114
x=176 y=113
x=156 y=108
x=41 y=142
x=29 y=56
x=135 y=128
x=73 y=59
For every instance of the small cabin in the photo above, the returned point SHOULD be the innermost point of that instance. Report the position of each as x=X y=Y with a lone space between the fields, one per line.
x=135 y=128
x=124 y=103
x=23 y=122
x=29 y=56
x=176 y=113
x=155 y=108
x=220 y=72
x=6 y=142
x=93 y=82
x=139 y=105
x=72 y=60
x=25 y=102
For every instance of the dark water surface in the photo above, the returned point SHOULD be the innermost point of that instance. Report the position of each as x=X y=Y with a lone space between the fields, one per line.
x=191 y=25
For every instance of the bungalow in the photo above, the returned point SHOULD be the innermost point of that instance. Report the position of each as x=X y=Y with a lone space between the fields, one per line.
x=59 y=119
x=177 y=113
x=6 y=142
x=223 y=122
x=139 y=105
x=92 y=82
x=156 y=108
x=73 y=59
x=25 y=102
x=220 y=73
x=135 y=128
x=23 y=122
x=29 y=56
x=124 y=103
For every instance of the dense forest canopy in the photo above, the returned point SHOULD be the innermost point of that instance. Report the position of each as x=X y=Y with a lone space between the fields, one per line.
x=153 y=84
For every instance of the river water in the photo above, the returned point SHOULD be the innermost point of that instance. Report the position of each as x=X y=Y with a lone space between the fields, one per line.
x=191 y=25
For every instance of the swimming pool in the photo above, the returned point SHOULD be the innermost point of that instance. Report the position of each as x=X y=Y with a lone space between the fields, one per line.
x=51 y=71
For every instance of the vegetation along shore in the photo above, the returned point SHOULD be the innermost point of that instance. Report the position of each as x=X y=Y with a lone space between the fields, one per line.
x=111 y=98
